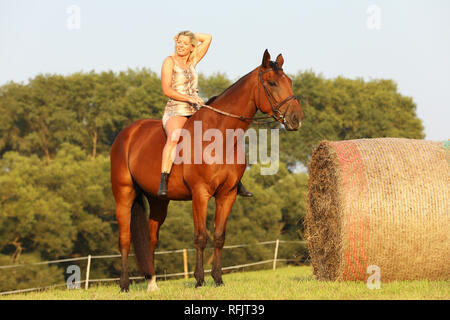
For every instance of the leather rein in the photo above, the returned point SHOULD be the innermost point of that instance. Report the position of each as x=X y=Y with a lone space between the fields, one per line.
x=273 y=104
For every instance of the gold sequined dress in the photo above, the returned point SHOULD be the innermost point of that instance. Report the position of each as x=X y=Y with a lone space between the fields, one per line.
x=184 y=81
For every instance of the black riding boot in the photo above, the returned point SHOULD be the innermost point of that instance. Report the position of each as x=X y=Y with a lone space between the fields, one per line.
x=242 y=191
x=162 y=192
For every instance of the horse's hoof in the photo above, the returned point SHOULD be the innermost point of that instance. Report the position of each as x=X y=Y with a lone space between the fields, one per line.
x=199 y=284
x=220 y=283
x=125 y=289
x=152 y=289
x=152 y=285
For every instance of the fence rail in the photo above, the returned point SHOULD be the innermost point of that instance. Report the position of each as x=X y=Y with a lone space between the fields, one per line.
x=185 y=273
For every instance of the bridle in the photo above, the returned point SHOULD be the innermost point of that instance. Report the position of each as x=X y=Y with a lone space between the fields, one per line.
x=275 y=106
x=273 y=103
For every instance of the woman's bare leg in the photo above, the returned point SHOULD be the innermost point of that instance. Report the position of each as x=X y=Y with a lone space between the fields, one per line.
x=174 y=123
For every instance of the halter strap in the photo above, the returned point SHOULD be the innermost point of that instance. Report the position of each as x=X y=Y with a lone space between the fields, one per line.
x=275 y=108
x=274 y=105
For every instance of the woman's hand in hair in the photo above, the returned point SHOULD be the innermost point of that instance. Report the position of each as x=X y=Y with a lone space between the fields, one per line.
x=203 y=47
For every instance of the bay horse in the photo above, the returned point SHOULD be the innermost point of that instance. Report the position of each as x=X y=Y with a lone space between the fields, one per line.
x=136 y=167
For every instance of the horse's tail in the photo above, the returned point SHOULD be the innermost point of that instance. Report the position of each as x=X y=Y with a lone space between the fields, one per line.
x=140 y=235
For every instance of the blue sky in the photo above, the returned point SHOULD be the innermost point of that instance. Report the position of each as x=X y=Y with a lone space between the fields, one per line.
x=407 y=41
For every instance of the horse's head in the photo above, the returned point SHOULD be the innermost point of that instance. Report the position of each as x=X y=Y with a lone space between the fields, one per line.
x=274 y=93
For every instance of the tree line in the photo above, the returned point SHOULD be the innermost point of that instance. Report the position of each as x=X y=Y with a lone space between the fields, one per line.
x=55 y=196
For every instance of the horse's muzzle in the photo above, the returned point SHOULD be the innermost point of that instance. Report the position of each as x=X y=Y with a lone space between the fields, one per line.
x=292 y=122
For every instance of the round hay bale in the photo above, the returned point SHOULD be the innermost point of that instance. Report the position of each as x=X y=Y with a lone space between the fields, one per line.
x=381 y=202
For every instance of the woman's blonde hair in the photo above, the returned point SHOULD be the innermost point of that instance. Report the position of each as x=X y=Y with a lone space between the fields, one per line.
x=194 y=43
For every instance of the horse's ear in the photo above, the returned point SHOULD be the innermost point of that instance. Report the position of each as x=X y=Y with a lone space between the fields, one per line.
x=280 y=60
x=266 y=59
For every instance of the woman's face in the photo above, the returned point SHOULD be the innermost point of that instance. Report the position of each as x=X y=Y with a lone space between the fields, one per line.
x=183 y=45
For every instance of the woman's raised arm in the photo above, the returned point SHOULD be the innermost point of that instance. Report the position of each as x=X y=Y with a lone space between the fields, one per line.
x=203 y=47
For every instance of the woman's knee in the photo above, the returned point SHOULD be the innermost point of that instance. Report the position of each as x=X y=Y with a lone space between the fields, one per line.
x=172 y=139
x=173 y=129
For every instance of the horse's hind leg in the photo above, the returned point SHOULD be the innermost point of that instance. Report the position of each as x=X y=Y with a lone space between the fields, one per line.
x=158 y=213
x=124 y=196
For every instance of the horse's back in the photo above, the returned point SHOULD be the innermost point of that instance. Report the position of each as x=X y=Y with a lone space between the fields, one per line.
x=121 y=177
x=144 y=141
x=129 y=135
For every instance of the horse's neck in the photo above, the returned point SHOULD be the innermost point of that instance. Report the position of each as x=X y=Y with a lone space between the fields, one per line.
x=238 y=100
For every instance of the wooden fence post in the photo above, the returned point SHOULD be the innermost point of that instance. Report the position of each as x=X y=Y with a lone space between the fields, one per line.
x=185 y=263
x=86 y=284
x=276 y=254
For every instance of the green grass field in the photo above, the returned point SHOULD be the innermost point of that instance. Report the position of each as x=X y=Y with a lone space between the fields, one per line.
x=287 y=283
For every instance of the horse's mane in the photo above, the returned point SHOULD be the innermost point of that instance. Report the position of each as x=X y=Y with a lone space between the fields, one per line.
x=213 y=98
x=273 y=65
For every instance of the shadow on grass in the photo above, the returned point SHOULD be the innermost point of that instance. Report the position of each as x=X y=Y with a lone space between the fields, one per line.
x=306 y=278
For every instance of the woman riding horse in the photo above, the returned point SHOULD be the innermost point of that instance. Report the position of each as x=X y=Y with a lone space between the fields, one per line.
x=133 y=177
x=179 y=81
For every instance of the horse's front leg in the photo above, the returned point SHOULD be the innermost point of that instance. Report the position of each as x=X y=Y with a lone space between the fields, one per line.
x=200 y=200
x=224 y=202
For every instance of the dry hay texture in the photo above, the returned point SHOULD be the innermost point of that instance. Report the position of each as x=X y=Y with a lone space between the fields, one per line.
x=381 y=202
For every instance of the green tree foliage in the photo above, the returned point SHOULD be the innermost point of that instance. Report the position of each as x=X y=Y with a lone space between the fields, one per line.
x=213 y=85
x=60 y=208
x=342 y=109
x=56 y=199
x=32 y=216
x=36 y=276
x=84 y=109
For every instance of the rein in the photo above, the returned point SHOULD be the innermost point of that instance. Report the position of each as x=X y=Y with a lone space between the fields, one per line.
x=273 y=104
